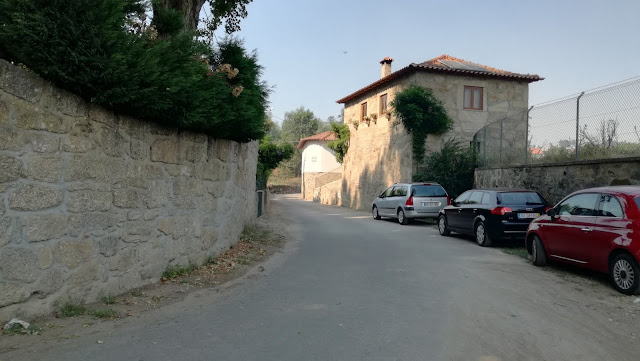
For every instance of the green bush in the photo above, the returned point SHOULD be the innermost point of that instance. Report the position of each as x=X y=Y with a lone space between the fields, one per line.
x=341 y=144
x=269 y=156
x=100 y=50
x=453 y=167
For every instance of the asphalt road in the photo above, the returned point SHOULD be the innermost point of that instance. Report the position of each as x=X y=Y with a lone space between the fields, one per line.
x=348 y=287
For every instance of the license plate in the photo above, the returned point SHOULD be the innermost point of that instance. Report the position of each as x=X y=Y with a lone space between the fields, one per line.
x=528 y=215
x=430 y=204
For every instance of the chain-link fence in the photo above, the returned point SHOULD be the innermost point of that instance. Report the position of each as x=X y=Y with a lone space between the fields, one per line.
x=597 y=124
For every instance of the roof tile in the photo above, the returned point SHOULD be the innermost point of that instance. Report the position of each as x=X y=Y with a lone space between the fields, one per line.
x=324 y=136
x=446 y=63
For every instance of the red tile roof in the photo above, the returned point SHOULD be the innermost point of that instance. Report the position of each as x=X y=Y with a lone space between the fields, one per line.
x=446 y=64
x=324 y=136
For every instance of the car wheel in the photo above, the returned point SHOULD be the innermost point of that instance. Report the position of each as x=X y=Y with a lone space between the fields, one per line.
x=402 y=219
x=482 y=238
x=375 y=213
x=625 y=274
x=442 y=226
x=538 y=254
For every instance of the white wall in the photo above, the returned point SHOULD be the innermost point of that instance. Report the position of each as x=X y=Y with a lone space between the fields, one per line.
x=318 y=158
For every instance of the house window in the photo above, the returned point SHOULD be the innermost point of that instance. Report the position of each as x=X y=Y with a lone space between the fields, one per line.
x=363 y=111
x=472 y=98
x=383 y=103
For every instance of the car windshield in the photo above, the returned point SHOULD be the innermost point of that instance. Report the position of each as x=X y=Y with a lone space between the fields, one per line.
x=428 y=191
x=519 y=198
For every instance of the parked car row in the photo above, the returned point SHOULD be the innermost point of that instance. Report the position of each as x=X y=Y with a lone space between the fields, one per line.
x=597 y=228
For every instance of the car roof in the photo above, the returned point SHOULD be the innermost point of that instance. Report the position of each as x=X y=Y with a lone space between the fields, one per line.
x=502 y=190
x=414 y=183
x=631 y=190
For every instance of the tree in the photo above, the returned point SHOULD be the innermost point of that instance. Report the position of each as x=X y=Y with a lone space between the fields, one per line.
x=231 y=11
x=272 y=129
x=421 y=113
x=269 y=156
x=299 y=123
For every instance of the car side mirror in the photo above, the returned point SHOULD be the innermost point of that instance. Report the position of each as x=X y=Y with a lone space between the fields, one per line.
x=453 y=203
x=551 y=213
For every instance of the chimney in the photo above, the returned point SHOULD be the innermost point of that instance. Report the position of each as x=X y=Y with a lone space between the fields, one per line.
x=386 y=67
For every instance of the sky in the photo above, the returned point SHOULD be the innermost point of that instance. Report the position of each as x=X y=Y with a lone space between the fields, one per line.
x=316 y=52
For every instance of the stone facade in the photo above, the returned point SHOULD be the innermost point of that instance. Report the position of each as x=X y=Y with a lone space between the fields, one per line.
x=380 y=151
x=555 y=181
x=94 y=204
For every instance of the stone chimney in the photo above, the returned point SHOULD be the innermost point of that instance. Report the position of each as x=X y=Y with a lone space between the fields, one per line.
x=386 y=67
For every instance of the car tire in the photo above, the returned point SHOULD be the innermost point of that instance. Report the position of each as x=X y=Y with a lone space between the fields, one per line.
x=625 y=274
x=402 y=219
x=482 y=237
x=375 y=213
x=538 y=254
x=442 y=226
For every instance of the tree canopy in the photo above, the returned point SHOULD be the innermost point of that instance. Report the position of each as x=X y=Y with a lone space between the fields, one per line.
x=299 y=123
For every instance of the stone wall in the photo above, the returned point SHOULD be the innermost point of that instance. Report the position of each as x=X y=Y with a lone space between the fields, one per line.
x=312 y=181
x=329 y=194
x=93 y=204
x=380 y=152
x=555 y=181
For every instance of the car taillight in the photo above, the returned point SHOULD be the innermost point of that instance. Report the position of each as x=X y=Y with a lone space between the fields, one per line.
x=409 y=201
x=448 y=201
x=500 y=210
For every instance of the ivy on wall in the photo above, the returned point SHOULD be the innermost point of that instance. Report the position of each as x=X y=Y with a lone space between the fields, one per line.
x=341 y=144
x=422 y=114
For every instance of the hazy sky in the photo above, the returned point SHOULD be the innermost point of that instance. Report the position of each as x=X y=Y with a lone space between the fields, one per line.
x=575 y=45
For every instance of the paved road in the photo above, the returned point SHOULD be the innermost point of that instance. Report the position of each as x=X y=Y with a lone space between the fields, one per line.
x=352 y=288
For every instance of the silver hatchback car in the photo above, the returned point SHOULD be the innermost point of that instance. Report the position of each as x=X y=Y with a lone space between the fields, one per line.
x=406 y=201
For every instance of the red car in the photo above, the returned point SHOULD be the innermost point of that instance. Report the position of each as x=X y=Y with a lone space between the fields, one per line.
x=597 y=228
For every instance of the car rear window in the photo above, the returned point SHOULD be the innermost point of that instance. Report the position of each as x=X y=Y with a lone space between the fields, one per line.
x=428 y=191
x=519 y=198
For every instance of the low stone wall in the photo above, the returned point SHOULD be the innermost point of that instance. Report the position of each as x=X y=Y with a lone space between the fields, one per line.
x=555 y=181
x=312 y=181
x=329 y=194
x=284 y=189
x=94 y=204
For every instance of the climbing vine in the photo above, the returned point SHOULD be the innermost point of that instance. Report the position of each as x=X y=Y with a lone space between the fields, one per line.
x=341 y=144
x=422 y=114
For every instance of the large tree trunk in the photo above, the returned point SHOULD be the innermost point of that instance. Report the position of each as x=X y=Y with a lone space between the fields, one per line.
x=190 y=10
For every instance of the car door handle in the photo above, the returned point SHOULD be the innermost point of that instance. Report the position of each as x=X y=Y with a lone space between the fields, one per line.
x=475 y=209
x=586 y=229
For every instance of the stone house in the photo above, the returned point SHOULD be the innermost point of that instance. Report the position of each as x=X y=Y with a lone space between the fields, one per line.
x=380 y=149
x=319 y=164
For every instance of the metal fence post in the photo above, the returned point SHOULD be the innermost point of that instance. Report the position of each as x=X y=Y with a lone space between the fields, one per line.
x=526 y=138
x=501 y=126
x=578 y=126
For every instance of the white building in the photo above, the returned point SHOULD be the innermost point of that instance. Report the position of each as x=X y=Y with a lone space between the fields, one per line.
x=319 y=164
